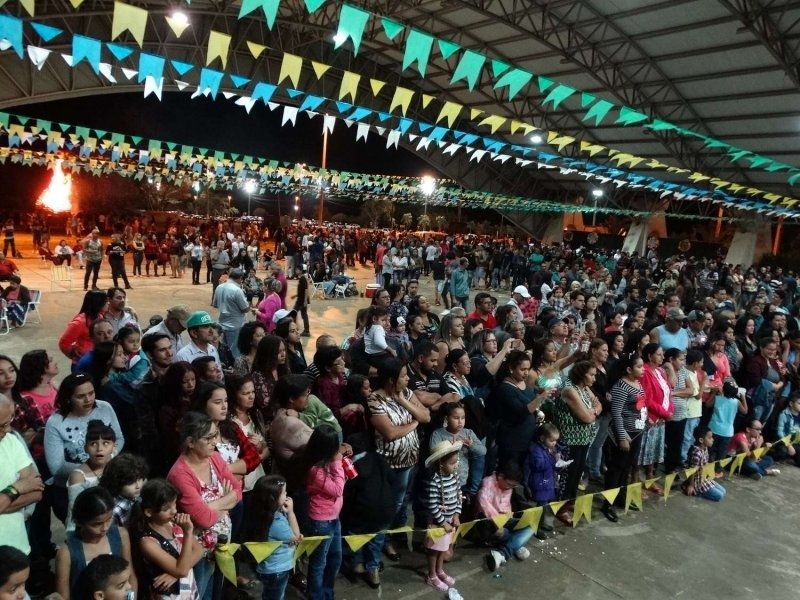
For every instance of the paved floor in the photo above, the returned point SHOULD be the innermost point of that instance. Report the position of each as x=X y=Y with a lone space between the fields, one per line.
x=744 y=547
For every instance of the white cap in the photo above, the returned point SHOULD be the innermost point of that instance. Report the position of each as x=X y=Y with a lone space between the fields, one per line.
x=522 y=291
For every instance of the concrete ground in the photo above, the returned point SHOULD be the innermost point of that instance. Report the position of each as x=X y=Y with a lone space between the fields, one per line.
x=744 y=547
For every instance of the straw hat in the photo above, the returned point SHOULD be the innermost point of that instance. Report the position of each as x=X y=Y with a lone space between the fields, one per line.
x=441 y=450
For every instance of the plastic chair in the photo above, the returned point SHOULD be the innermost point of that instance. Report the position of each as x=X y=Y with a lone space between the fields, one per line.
x=4 y=324
x=33 y=307
x=339 y=290
x=319 y=290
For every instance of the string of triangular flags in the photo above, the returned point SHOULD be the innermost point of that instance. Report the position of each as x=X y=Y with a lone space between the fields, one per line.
x=465 y=64
x=527 y=518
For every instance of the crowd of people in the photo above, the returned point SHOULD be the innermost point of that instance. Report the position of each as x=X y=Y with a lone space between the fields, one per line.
x=169 y=438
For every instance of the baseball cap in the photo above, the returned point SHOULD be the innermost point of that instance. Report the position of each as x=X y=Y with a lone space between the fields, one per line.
x=676 y=314
x=696 y=315
x=179 y=312
x=554 y=320
x=282 y=314
x=522 y=291
x=200 y=318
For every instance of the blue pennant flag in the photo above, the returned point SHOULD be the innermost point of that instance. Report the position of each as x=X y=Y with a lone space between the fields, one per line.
x=210 y=79
x=46 y=32
x=343 y=107
x=150 y=64
x=181 y=67
x=294 y=93
x=119 y=52
x=239 y=81
x=311 y=102
x=86 y=48
x=359 y=113
x=11 y=30
x=263 y=91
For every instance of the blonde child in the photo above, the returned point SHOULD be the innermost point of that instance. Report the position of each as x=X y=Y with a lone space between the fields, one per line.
x=163 y=544
x=100 y=445
x=473 y=450
x=443 y=501
x=272 y=519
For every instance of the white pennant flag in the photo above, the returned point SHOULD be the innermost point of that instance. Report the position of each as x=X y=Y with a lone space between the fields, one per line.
x=349 y=123
x=451 y=149
x=393 y=139
x=477 y=155
x=228 y=95
x=247 y=102
x=381 y=130
x=289 y=114
x=182 y=85
x=38 y=55
x=423 y=143
x=151 y=86
x=362 y=131
x=67 y=57
x=330 y=121
x=522 y=162
x=502 y=158
x=196 y=94
x=311 y=114
x=5 y=45
x=105 y=71
x=129 y=73
x=412 y=137
x=273 y=105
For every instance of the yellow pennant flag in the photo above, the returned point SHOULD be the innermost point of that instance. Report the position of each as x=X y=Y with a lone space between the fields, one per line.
x=557 y=506
x=648 y=483
x=610 y=495
x=376 y=85
x=592 y=149
x=725 y=462
x=426 y=99
x=759 y=452
x=261 y=551
x=530 y=518
x=709 y=471
x=583 y=508
x=634 y=496
x=450 y=111
x=223 y=556
x=464 y=529
x=501 y=519
x=356 y=542
x=218 y=46
x=402 y=98
x=494 y=122
x=307 y=546
x=129 y=18
x=349 y=86
x=668 y=481
x=687 y=473
x=474 y=113
x=737 y=463
x=255 y=49
x=561 y=141
x=786 y=440
x=435 y=533
x=517 y=125
x=177 y=26
x=30 y=7
x=290 y=67
x=76 y=3
x=319 y=68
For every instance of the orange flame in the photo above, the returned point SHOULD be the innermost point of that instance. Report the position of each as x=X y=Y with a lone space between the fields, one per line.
x=57 y=195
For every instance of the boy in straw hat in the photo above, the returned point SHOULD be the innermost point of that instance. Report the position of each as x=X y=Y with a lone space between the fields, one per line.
x=443 y=500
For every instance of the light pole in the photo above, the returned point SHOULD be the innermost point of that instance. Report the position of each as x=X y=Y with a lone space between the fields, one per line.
x=597 y=194
x=249 y=187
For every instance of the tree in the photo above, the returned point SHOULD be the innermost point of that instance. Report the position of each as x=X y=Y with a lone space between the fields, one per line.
x=423 y=222
x=377 y=210
x=441 y=222
x=407 y=219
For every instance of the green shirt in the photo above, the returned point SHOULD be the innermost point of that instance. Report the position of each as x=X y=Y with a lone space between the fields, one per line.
x=316 y=412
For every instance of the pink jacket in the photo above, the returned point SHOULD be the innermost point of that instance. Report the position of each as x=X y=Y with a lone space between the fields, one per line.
x=267 y=308
x=191 y=501
x=325 y=488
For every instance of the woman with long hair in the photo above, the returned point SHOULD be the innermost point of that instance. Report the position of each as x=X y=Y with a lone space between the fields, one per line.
x=451 y=336
x=431 y=323
x=269 y=365
x=658 y=396
x=598 y=356
x=37 y=397
x=250 y=335
x=178 y=390
x=76 y=341
x=287 y=329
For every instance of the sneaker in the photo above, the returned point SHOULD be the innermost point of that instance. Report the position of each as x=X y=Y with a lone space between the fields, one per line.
x=494 y=559
x=773 y=471
x=436 y=583
x=446 y=579
x=373 y=579
x=522 y=553
x=756 y=476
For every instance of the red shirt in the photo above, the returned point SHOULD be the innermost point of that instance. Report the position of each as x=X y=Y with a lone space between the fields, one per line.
x=489 y=322
x=7 y=268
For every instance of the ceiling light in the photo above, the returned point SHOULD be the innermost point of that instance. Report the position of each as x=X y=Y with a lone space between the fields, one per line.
x=180 y=17
x=536 y=139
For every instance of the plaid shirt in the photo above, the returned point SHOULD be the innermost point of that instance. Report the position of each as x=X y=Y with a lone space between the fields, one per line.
x=122 y=510
x=698 y=457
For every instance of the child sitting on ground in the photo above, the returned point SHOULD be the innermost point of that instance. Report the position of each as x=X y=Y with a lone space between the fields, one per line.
x=698 y=484
x=747 y=442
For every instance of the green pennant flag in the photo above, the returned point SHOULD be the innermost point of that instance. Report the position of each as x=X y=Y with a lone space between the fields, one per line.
x=516 y=79
x=469 y=68
x=312 y=6
x=587 y=99
x=352 y=22
x=598 y=111
x=558 y=94
x=136 y=139
x=45 y=126
x=628 y=116
x=270 y=8
x=418 y=48
x=544 y=83
x=391 y=28
x=447 y=49
x=498 y=68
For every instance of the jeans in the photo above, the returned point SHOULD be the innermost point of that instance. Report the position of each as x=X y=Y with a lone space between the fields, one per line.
x=715 y=493
x=231 y=338
x=138 y=257
x=761 y=412
x=719 y=449
x=575 y=470
x=196 y=266
x=273 y=585
x=204 y=576
x=92 y=270
x=751 y=467
x=324 y=563
x=513 y=540
x=688 y=437
x=476 y=468
x=594 y=459
x=463 y=301
x=368 y=555
x=118 y=271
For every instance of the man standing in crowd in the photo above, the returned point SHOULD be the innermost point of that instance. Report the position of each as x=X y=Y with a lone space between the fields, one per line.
x=173 y=325
x=696 y=333
x=118 y=314
x=116 y=251
x=671 y=334
x=483 y=310
x=518 y=296
x=232 y=304
x=201 y=332
x=93 y=255
x=100 y=331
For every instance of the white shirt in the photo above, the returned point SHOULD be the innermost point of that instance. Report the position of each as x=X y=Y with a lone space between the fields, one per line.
x=178 y=341
x=190 y=351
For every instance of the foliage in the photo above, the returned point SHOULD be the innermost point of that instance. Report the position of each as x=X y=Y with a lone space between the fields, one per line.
x=407 y=219
x=441 y=222
x=423 y=222
x=378 y=211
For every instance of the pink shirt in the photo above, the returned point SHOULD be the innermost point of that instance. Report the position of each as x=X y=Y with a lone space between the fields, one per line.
x=491 y=499
x=325 y=487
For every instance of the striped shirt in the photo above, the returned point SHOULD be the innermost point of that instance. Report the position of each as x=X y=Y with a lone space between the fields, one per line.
x=626 y=420
x=443 y=497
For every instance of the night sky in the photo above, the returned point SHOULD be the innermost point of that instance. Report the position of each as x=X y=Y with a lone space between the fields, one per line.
x=215 y=124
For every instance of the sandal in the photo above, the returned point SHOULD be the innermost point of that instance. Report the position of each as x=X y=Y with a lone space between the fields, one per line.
x=446 y=579
x=657 y=489
x=436 y=583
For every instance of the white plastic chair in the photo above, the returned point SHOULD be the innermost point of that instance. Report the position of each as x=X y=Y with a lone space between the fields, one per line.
x=5 y=326
x=339 y=290
x=319 y=290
